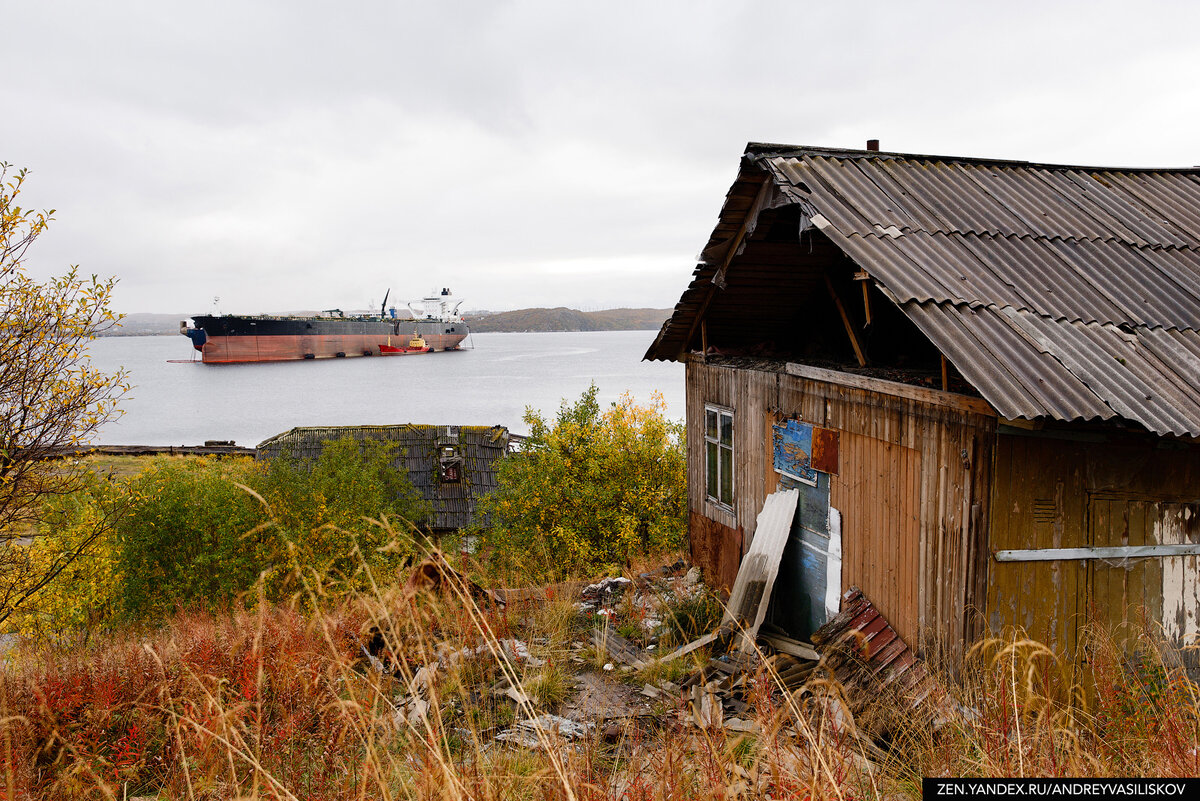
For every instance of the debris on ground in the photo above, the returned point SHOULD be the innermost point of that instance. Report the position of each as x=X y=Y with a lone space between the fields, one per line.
x=620 y=649
x=603 y=594
x=622 y=674
x=543 y=730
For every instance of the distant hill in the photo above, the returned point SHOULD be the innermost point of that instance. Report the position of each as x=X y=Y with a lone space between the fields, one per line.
x=564 y=319
x=559 y=319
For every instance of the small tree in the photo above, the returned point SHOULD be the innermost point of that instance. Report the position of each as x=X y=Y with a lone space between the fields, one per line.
x=595 y=488
x=51 y=397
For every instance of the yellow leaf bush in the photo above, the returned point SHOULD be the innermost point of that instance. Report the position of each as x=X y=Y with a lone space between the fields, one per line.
x=592 y=489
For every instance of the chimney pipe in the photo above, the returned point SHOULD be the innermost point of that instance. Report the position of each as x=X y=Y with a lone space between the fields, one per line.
x=873 y=144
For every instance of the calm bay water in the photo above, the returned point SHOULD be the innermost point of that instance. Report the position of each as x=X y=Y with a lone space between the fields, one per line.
x=487 y=384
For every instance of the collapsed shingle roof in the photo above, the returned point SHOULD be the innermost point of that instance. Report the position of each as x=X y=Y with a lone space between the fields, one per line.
x=1062 y=292
x=418 y=451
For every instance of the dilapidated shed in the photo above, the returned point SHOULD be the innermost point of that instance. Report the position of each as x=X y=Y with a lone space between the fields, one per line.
x=451 y=466
x=983 y=376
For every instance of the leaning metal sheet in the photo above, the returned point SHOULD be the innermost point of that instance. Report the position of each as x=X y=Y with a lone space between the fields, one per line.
x=756 y=577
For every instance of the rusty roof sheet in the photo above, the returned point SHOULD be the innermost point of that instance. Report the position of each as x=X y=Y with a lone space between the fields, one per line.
x=861 y=648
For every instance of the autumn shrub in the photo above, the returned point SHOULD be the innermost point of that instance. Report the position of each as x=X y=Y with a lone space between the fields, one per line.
x=190 y=535
x=592 y=489
x=198 y=533
x=52 y=398
x=327 y=510
x=132 y=715
x=81 y=596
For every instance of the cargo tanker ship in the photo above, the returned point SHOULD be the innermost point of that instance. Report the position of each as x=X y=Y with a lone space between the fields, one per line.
x=435 y=326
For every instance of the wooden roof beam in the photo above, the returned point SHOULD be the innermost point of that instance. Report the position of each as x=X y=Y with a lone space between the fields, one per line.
x=858 y=351
x=718 y=279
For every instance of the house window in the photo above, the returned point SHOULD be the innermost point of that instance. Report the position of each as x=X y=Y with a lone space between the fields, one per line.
x=718 y=454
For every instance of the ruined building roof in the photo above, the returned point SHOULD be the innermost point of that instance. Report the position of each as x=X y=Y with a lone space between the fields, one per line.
x=419 y=452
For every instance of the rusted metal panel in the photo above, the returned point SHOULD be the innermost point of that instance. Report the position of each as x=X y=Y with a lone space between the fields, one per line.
x=716 y=549
x=825 y=451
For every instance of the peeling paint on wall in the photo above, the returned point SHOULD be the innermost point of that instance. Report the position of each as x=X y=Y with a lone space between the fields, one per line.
x=801 y=450
x=1180 y=575
x=833 y=568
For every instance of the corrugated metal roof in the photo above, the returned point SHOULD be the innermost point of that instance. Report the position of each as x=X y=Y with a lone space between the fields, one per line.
x=1027 y=365
x=861 y=648
x=1057 y=291
x=1044 y=286
x=418 y=453
x=1037 y=238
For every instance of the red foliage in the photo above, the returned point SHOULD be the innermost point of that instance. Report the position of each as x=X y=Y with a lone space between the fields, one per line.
x=123 y=710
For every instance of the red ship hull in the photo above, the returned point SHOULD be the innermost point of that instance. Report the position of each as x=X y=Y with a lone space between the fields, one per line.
x=232 y=349
x=388 y=350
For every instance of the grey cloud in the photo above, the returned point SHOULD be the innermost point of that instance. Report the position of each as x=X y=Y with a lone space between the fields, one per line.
x=299 y=154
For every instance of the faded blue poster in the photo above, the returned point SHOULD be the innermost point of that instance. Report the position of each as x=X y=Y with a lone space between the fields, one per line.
x=792 y=441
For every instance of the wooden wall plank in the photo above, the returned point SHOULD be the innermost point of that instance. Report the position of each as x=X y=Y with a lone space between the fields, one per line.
x=901 y=488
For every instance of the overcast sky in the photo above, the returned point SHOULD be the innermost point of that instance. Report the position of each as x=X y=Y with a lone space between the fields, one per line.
x=296 y=155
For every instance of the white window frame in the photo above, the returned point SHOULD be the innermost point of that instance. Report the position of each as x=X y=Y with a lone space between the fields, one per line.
x=713 y=494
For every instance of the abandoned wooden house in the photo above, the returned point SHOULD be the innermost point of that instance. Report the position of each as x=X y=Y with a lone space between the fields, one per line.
x=984 y=377
x=450 y=466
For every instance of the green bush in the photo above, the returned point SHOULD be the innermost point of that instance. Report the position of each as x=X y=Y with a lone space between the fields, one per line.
x=198 y=533
x=327 y=512
x=185 y=536
x=594 y=489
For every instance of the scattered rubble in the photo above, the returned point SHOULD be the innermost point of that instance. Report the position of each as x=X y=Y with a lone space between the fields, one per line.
x=542 y=730
x=837 y=679
x=600 y=596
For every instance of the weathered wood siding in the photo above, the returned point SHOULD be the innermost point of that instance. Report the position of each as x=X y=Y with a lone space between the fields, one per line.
x=913 y=488
x=1061 y=489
